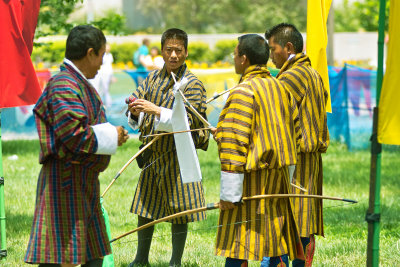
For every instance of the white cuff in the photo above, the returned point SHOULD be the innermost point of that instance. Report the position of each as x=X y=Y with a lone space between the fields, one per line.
x=231 y=186
x=135 y=124
x=107 y=138
x=164 y=123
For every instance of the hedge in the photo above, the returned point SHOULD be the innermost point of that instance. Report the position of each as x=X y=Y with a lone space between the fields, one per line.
x=199 y=52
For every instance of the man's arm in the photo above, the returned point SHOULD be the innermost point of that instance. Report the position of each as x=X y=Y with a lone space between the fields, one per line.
x=233 y=138
x=70 y=123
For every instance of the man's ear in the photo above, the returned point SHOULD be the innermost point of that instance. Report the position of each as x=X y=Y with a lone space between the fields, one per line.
x=90 y=52
x=244 y=60
x=290 y=48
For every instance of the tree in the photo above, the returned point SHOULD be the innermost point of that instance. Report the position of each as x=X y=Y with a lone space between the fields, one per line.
x=53 y=17
x=361 y=15
x=111 y=23
x=368 y=14
x=229 y=16
x=346 y=19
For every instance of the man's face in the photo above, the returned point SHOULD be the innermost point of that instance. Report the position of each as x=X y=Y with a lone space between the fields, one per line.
x=95 y=61
x=278 y=54
x=239 y=69
x=174 y=54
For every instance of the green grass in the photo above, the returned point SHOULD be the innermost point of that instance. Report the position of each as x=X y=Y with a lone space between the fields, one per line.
x=345 y=242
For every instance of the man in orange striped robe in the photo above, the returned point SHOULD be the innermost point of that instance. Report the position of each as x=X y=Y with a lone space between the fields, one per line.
x=306 y=86
x=257 y=138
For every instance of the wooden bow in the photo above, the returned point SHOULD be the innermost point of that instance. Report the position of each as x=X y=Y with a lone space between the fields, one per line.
x=212 y=206
x=129 y=162
x=185 y=131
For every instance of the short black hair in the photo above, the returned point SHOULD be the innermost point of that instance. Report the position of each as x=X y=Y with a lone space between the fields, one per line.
x=284 y=33
x=255 y=47
x=174 y=33
x=81 y=38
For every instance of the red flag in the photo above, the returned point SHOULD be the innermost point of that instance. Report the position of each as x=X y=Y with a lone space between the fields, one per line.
x=19 y=85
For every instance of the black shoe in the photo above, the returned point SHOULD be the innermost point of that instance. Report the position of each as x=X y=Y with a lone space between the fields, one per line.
x=139 y=264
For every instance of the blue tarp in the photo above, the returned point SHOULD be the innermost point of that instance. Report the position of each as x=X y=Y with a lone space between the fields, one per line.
x=353 y=93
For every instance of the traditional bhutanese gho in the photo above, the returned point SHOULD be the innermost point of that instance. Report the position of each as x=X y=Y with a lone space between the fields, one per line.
x=160 y=191
x=306 y=86
x=257 y=135
x=68 y=225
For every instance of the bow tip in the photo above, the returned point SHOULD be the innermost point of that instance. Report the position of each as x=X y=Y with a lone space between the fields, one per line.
x=350 y=200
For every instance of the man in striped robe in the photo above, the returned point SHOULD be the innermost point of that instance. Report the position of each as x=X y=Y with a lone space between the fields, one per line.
x=76 y=142
x=160 y=191
x=257 y=140
x=306 y=86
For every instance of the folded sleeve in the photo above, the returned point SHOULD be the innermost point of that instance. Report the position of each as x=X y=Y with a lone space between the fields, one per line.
x=107 y=138
x=164 y=122
x=231 y=186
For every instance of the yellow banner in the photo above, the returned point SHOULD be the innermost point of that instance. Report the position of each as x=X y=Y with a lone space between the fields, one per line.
x=389 y=108
x=317 y=39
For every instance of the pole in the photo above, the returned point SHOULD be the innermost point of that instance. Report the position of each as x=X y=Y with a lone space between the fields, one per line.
x=346 y=107
x=373 y=213
x=89 y=11
x=3 y=244
x=331 y=31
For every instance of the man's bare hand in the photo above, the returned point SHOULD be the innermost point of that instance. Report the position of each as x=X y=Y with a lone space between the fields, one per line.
x=213 y=131
x=226 y=205
x=122 y=135
x=132 y=110
x=141 y=105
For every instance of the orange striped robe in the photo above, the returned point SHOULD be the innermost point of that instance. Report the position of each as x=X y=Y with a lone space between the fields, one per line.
x=306 y=86
x=256 y=135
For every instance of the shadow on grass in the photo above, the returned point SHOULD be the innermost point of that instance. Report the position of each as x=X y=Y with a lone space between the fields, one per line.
x=18 y=225
x=162 y=264
x=352 y=218
x=20 y=147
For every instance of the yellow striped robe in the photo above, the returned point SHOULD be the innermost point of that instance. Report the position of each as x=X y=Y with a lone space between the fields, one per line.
x=160 y=191
x=256 y=135
x=306 y=86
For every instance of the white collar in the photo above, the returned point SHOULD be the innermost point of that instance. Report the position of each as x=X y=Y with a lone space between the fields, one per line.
x=291 y=56
x=69 y=62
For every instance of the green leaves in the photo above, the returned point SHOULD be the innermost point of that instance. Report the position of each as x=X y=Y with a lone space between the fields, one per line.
x=224 y=16
x=53 y=17
x=360 y=15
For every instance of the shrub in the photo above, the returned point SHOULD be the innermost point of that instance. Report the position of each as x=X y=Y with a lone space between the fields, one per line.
x=111 y=23
x=123 y=52
x=199 y=52
x=223 y=50
x=53 y=52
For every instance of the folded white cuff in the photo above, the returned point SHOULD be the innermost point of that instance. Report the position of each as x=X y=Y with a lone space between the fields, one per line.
x=164 y=123
x=231 y=186
x=107 y=138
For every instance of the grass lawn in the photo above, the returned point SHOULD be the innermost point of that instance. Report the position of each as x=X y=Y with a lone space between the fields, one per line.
x=346 y=175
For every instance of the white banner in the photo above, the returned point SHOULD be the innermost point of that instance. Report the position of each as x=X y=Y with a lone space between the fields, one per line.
x=187 y=156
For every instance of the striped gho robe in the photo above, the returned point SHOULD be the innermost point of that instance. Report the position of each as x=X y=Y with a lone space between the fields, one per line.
x=306 y=86
x=68 y=225
x=160 y=191
x=257 y=135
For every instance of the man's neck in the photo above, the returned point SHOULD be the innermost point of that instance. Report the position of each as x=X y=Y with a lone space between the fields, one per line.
x=81 y=66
